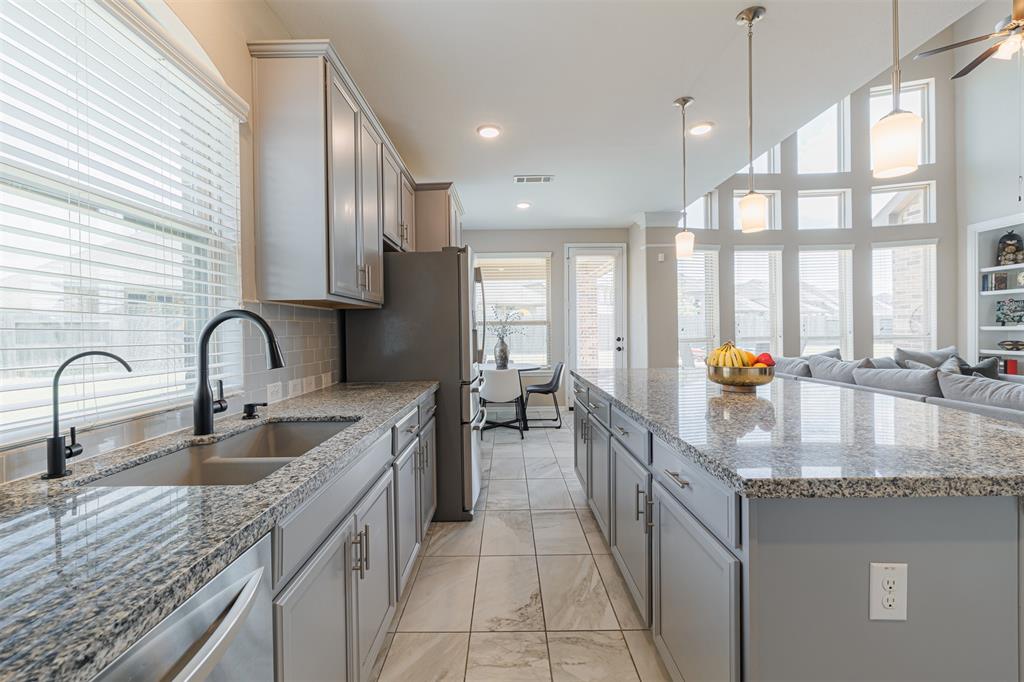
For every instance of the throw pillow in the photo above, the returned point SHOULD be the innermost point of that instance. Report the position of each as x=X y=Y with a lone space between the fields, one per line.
x=884 y=363
x=797 y=367
x=988 y=368
x=982 y=391
x=830 y=369
x=931 y=358
x=911 y=364
x=834 y=353
x=919 y=382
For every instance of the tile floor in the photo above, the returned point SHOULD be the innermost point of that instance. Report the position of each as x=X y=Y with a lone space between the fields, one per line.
x=526 y=591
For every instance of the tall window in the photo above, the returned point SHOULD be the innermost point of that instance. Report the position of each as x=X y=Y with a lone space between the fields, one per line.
x=904 y=204
x=823 y=209
x=769 y=162
x=915 y=96
x=758 y=300
x=119 y=211
x=822 y=142
x=517 y=288
x=697 y=297
x=700 y=213
x=774 y=223
x=903 y=297
x=826 y=301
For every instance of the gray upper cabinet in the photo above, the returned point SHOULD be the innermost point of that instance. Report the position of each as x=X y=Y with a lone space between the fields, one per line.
x=343 y=177
x=631 y=523
x=407 y=224
x=696 y=594
x=438 y=217
x=371 y=219
x=392 y=199
x=600 y=475
x=375 y=585
x=580 y=453
x=312 y=615
x=428 y=475
x=407 y=511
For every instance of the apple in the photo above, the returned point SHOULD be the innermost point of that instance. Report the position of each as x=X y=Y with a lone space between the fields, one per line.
x=766 y=358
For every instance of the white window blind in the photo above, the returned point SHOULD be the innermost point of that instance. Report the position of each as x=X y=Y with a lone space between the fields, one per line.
x=119 y=213
x=758 y=300
x=697 y=299
x=903 y=297
x=826 y=301
x=517 y=286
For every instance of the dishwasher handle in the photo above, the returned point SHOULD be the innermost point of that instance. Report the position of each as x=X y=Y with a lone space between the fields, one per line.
x=213 y=649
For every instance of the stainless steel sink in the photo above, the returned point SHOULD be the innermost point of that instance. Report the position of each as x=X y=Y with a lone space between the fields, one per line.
x=236 y=460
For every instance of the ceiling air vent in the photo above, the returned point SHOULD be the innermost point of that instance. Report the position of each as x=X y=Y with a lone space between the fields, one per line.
x=532 y=179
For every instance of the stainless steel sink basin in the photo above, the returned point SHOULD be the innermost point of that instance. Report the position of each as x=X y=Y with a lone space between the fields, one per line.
x=236 y=460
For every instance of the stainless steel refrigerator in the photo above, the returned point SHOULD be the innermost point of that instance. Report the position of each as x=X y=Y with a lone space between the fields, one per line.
x=427 y=330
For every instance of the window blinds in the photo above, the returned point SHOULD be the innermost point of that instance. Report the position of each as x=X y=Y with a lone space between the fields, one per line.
x=758 y=300
x=826 y=301
x=516 y=288
x=903 y=297
x=119 y=213
x=697 y=299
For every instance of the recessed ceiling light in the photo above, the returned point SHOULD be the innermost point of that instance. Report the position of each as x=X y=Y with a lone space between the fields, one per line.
x=488 y=131
x=524 y=205
x=702 y=128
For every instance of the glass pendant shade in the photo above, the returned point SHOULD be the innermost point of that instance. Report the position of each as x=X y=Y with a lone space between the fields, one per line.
x=896 y=144
x=753 y=212
x=684 y=244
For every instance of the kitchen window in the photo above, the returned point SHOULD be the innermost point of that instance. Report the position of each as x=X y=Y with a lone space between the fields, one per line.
x=823 y=142
x=517 y=288
x=119 y=216
x=826 y=300
x=903 y=297
x=697 y=301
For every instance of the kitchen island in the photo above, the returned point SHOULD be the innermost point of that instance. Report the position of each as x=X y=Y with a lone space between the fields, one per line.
x=746 y=526
x=87 y=569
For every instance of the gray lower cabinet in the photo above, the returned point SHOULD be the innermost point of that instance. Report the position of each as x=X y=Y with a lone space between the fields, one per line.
x=375 y=583
x=696 y=596
x=600 y=475
x=312 y=615
x=631 y=524
x=408 y=533
x=428 y=475
x=581 y=455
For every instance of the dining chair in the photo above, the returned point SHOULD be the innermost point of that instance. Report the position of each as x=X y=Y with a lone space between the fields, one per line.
x=502 y=386
x=550 y=388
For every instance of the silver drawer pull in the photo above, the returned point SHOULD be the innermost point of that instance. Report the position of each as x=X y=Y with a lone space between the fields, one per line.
x=366 y=548
x=411 y=428
x=636 y=500
x=358 y=566
x=648 y=513
x=622 y=431
x=677 y=479
x=592 y=405
x=433 y=409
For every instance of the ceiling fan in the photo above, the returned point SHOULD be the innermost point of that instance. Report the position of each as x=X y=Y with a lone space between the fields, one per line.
x=1009 y=29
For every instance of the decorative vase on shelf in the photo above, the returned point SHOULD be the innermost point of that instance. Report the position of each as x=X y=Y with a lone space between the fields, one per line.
x=501 y=354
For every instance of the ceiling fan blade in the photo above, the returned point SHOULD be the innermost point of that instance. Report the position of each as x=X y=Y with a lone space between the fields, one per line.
x=976 y=62
x=953 y=46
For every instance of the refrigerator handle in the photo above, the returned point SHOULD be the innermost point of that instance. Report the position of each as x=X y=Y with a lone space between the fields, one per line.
x=478 y=275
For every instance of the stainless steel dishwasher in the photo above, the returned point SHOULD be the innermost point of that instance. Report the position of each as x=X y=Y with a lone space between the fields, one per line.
x=224 y=631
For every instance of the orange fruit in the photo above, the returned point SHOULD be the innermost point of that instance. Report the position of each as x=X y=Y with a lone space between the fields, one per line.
x=749 y=357
x=759 y=364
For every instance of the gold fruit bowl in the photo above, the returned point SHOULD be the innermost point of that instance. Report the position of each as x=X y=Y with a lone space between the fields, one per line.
x=741 y=379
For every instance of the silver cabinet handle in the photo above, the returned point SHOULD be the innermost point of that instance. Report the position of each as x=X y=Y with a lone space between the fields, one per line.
x=366 y=549
x=677 y=479
x=483 y=420
x=622 y=431
x=648 y=513
x=358 y=566
x=369 y=278
x=592 y=405
x=411 y=428
x=636 y=500
x=213 y=649
x=433 y=408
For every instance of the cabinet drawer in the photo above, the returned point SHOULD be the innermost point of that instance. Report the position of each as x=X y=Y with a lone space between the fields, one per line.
x=406 y=428
x=712 y=502
x=598 y=405
x=629 y=432
x=580 y=392
x=301 y=532
x=428 y=406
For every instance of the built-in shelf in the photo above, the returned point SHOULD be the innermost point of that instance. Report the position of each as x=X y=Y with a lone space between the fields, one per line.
x=1001 y=328
x=1003 y=268
x=999 y=351
x=1000 y=292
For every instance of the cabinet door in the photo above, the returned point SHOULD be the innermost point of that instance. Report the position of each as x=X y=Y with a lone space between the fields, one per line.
x=408 y=225
x=343 y=174
x=407 y=511
x=375 y=586
x=370 y=148
x=600 y=475
x=312 y=623
x=696 y=596
x=391 y=192
x=632 y=507
x=428 y=475
x=454 y=224
x=580 y=454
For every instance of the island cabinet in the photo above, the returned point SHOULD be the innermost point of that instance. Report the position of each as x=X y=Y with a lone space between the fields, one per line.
x=600 y=496
x=375 y=595
x=631 y=523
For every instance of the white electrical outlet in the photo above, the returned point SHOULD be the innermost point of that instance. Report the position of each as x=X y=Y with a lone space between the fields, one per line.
x=294 y=387
x=308 y=384
x=888 y=592
x=274 y=392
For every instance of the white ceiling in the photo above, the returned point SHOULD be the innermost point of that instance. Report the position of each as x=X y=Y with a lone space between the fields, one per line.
x=583 y=90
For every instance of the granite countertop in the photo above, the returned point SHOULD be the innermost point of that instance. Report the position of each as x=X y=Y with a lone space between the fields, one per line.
x=86 y=571
x=804 y=439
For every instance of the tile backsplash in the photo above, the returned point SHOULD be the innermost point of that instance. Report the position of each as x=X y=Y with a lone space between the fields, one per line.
x=309 y=340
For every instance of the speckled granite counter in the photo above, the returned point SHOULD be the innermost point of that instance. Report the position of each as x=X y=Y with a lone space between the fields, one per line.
x=86 y=571
x=804 y=439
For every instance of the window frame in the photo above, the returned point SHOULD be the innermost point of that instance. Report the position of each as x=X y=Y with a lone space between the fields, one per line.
x=926 y=186
x=709 y=204
x=932 y=294
x=846 y=319
x=777 y=322
x=845 y=211
x=547 y=257
x=715 y=323
x=774 y=208
x=773 y=162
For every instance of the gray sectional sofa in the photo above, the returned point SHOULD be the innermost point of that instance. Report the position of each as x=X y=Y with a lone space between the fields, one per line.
x=934 y=377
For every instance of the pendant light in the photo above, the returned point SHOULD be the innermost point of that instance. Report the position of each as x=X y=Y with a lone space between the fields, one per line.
x=753 y=206
x=896 y=137
x=684 y=238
